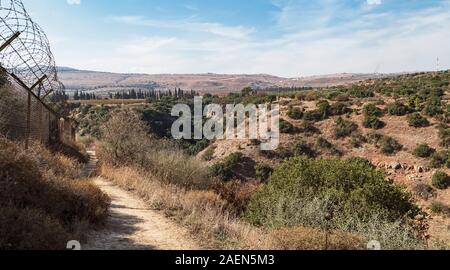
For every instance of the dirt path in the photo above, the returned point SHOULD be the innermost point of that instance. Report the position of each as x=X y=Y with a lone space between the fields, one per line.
x=133 y=226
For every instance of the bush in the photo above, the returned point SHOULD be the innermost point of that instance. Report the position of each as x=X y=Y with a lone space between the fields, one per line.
x=373 y=122
x=371 y=110
x=423 y=151
x=417 y=120
x=286 y=127
x=433 y=107
x=440 y=159
x=340 y=109
x=236 y=195
x=225 y=170
x=440 y=208
x=133 y=146
x=309 y=128
x=358 y=140
x=441 y=180
x=295 y=113
x=390 y=146
x=398 y=109
x=301 y=148
x=325 y=144
x=303 y=192
x=444 y=135
x=263 y=172
x=344 y=128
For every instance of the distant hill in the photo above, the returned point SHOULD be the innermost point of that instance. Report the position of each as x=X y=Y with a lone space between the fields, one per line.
x=104 y=82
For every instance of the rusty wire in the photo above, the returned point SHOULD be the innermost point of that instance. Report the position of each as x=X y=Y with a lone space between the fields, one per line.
x=28 y=56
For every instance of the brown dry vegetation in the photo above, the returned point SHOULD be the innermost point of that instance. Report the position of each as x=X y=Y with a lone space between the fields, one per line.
x=43 y=201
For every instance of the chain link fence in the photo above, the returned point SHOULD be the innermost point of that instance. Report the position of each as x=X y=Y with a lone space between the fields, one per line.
x=24 y=117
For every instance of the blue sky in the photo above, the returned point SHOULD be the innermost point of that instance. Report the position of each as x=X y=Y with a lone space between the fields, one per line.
x=288 y=38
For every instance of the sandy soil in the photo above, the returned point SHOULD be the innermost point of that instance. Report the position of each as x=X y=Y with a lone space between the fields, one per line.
x=133 y=226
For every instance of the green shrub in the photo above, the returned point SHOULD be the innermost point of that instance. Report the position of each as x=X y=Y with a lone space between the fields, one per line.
x=417 y=120
x=386 y=144
x=398 y=109
x=441 y=180
x=357 y=140
x=295 y=113
x=309 y=128
x=372 y=110
x=302 y=148
x=263 y=172
x=373 y=122
x=286 y=127
x=344 y=128
x=389 y=146
x=325 y=144
x=313 y=116
x=304 y=191
x=440 y=159
x=225 y=170
x=444 y=135
x=424 y=151
x=439 y=208
x=340 y=108
x=433 y=107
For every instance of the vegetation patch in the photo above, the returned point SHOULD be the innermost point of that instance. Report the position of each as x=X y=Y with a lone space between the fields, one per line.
x=417 y=120
x=441 y=180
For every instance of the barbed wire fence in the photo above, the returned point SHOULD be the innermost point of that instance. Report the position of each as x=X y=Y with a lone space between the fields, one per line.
x=28 y=76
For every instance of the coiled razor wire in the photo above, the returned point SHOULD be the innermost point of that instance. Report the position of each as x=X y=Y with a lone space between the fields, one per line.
x=26 y=51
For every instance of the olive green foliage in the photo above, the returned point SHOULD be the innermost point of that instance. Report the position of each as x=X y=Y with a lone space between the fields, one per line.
x=305 y=192
x=418 y=121
x=441 y=180
x=295 y=113
x=424 y=151
x=286 y=127
x=309 y=129
x=440 y=159
x=386 y=144
x=371 y=114
x=373 y=122
x=444 y=135
x=326 y=145
x=372 y=110
x=440 y=208
x=302 y=148
x=358 y=140
x=263 y=172
x=344 y=128
x=397 y=108
x=225 y=170
x=433 y=107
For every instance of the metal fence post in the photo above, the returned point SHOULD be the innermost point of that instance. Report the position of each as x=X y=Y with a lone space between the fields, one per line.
x=27 y=141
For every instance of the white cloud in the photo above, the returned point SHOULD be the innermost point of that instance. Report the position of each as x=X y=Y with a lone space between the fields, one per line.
x=394 y=41
x=74 y=2
x=374 y=2
x=189 y=24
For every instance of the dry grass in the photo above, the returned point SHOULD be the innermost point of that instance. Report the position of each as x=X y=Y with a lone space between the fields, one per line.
x=42 y=197
x=203 y=212
x=301 y=238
